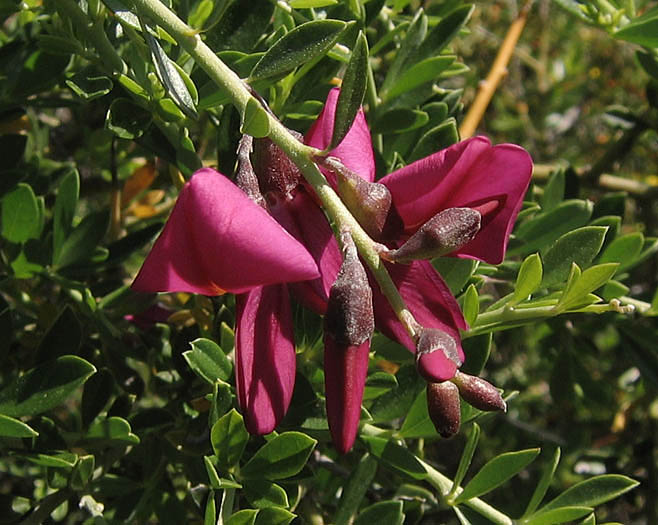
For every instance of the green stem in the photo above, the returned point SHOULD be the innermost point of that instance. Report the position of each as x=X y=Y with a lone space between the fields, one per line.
x=94 y=34
x=443 y=484
x=300 y=154
x=46 y=506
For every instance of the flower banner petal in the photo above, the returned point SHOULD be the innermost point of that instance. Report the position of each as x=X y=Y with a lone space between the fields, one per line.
x=218 y=240
x=355 y=150
x=471 y=173
x=265 y=356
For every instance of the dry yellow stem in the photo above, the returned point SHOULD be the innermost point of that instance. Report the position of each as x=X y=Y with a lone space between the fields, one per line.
x=496 y=74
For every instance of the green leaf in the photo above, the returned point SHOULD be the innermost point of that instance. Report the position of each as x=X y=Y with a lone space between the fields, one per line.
x=587 y=282
x=301 y=45
x=544 y=482
x=418 y=424
x=208 y=360
x=10 y=427
x=642 y=30
x=255 y=121
x=396 y=402
x=355 y=489
x=54 y=460
x=579 y=246
x=213 y=478
x=282 y=457
x=439 y=137
x=529 y=278
x=96 y=394
x=79 y=246
x=412 y=41
x=592 y=492
x=455 y=272
x=477 y=349
x=210 y=513
x=243 y=517
x=561 y=515
x=20 y=215
x=309 y=4
x=64 y=337
x=447 y=28
x=421 y=73
x=83 y=471
x=89 y=84
x=274 y=516
x=171 y=78
x=262 y=493
x=126 y=119
x=467 y=456
x=394 y=456
x=352 y=91
x=45 y=386
x=399 y=120
x=64 y=211
x=553 y=191
x=113 y=431
x=229 y=437
x=496 y=472
x=471 y=304
x=389 y=512
x=623 y=250
x=541 y=231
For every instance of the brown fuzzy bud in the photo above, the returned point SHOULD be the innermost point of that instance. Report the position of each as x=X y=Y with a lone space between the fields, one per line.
x=369 y=202
x=443 y=408
x=446 y=232
x=479 y=393
x=275 y=171
x=437 y=356
x=245 y=178
x=349 y=318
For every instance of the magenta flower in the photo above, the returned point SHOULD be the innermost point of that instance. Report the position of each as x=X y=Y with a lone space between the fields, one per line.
x=218 y=240
x=471 y=174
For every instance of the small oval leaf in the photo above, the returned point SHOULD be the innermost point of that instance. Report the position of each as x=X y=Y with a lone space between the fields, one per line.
x=352 y=91
x=496 y=472
x=300 y=45
x=282 y=457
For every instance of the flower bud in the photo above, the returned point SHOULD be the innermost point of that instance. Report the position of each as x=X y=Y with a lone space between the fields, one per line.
x=245 y=178
x=349 y=318
x=446 y=232
x=274 y=170
x=437 y=357
x=479 y=393
x=348 y=325
x=443 y=408
x=369 y=202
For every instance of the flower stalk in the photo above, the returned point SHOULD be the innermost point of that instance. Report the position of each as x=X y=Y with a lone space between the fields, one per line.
x=301 y=155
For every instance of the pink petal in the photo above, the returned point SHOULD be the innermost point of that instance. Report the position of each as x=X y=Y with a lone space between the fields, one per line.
x=265 y=356
x=218 y=240
x=428 y=298
x=307 y=223
x=345 y=371
x=355 y=150
x=472 y=174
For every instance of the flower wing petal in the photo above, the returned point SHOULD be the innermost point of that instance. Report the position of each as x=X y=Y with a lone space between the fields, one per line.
x=265 y=356
x=471 y=173
x=307 y=223
x=217 y=240
x=428 y=298
x=355 y=150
